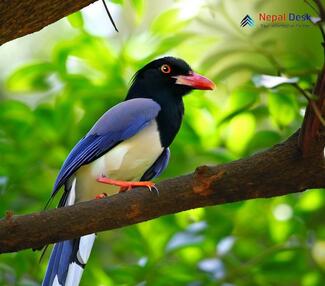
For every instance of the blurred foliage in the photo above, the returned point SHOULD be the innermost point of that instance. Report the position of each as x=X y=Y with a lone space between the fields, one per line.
x=49 y=104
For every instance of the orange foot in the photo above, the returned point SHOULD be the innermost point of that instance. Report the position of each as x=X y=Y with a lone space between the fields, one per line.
x=101 y=196
x=127 y=186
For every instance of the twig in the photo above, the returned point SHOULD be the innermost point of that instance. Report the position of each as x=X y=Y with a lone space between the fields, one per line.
x=110 y=16
x=321 y=9
x=320 y=24
x=311 y=102
x=311 y=6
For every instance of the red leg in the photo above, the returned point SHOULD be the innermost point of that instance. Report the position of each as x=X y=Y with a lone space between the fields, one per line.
x=126 y=186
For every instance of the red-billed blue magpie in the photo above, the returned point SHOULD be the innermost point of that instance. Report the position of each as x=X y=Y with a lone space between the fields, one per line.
x=127 y=147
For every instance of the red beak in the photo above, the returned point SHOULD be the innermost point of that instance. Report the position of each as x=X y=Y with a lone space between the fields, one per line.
x=195 y=81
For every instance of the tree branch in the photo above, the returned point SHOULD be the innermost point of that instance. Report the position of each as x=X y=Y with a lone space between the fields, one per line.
x=19 y=18
x=277 y=171
x=312 y=125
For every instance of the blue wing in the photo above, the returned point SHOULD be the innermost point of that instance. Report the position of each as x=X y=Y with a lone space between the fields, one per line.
x=117 y=124
x=158 y=167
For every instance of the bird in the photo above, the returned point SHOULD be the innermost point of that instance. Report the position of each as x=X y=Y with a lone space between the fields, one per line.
x=126 y=148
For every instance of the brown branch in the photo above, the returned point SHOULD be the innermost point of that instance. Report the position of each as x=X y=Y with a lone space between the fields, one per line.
x=312 y=125
x=277 y=171
x=312 y=103
x=19 y=18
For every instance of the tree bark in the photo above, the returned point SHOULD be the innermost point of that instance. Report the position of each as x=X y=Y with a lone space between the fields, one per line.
x=278 y=171
x=19 y=18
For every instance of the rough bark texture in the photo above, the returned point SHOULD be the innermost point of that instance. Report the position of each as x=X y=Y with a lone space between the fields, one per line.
x=19 y=18
x=311 y=126
x=277 y=171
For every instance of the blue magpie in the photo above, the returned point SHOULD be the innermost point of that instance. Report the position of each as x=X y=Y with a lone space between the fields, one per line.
x=126 y=148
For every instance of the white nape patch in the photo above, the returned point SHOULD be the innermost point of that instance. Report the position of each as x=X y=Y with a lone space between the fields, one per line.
x=127 y=161
x=74 y=275
x=85 y=245
x=56 y=281
x=72 y=194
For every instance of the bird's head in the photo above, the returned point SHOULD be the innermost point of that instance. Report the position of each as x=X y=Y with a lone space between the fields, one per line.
x=167 y=76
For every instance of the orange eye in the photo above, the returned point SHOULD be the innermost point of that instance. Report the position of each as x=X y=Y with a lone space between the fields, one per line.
x=165 y=68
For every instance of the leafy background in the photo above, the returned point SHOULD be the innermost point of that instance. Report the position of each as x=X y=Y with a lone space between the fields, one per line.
x=56 y=83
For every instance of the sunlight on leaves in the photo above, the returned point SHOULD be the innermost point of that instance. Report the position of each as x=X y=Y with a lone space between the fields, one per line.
x=241 y=130
x=311 y=200
x=283 y=108
x=31 y=77
x=76 y=20
x=168 y=22
x=318 y=253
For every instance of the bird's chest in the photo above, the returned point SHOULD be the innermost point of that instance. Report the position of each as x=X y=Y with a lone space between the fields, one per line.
x=131 y=158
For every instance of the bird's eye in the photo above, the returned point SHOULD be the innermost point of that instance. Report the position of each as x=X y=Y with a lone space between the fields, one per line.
x=165 y=68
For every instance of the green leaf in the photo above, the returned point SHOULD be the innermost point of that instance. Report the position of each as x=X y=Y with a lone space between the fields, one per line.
x=283 y=108
x=168 y=22
x=95 y=51
x=14 y=111
x=242 y=99
x=76 y=20
x=263 y=139
x=220 y=53
x=171 y=42
x=117 y=1
x=31 y=77
x=241 y=130
x=311 y=200
x=318 y=253
x=139 y=8
x=239 y=101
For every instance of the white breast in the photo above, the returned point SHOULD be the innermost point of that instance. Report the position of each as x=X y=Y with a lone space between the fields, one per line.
x=127 y=162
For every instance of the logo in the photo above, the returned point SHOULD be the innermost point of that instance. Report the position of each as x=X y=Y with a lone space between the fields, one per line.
x=247 y=20
x=278 y=20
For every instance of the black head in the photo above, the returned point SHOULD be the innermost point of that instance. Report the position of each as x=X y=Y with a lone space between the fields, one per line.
x=166 y=77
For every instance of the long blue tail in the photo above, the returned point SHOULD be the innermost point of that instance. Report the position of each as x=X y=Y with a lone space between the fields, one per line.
x=68 y=258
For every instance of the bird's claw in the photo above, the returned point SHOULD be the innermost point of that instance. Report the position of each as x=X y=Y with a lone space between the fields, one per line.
x=101 y=196
x=149 y=185
x=153 y=187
